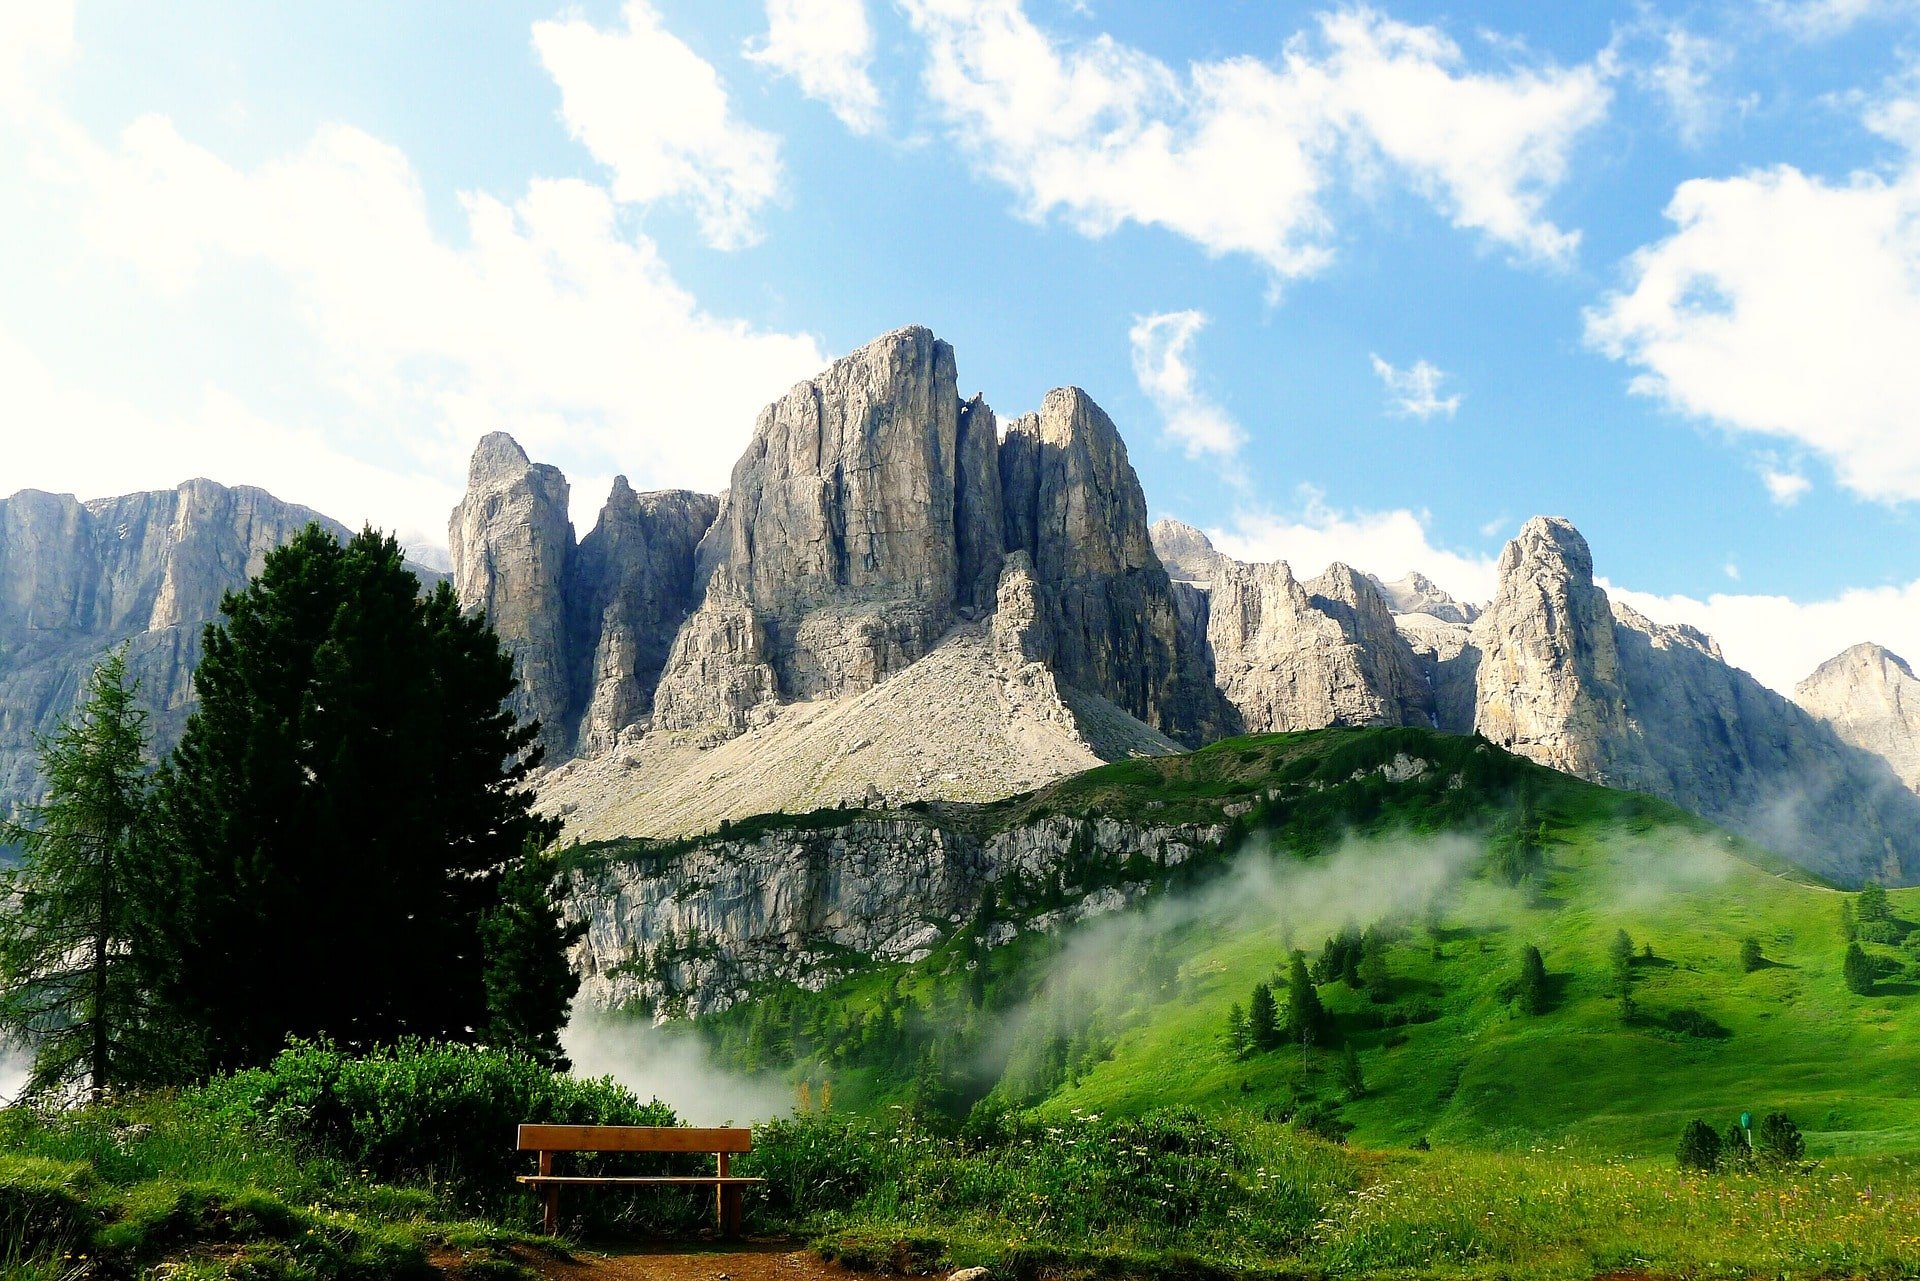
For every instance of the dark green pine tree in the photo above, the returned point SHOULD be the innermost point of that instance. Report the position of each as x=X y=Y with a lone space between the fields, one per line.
x=78 y=958
x=529 y=984
x=1373 y=972
x=1620 y=962
x=1263 y=1018
x=343 y=808
x=1533 y=991
x=1306 y=1017
x=1857 y=969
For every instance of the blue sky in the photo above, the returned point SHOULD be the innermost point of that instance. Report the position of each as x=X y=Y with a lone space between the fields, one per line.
x=1368 y=282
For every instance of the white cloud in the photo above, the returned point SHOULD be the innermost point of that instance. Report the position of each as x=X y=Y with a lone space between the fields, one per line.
x=826 y=47
x=1785 y=487
x=1414 y=392
x=1238 y=155
x=545 y=318
x=1819 y=19
x=1787 y=306
x=36 y=40
x=1683 y=78
x=1388 y=544
x=656 y=114
x=1781 y=640
x=1160 y=365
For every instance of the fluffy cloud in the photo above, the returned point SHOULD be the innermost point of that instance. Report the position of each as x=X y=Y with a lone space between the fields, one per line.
x=1388 y=544
x=825 y=47
x=1818 y=19
x=1788 y=307
x=1682 y=77
x=1781 y=640
x=1414 y=392
x=1238 y=155
x=401 y=344
x=1785 y=487
x=656 y=114
x=1160 y=365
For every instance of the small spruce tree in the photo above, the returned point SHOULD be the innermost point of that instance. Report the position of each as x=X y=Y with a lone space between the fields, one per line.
x=1778 y=1141
x=1352 y=1080
x=1306 y=1017
x=1374 y=976
x=1532 y=988
x=1735 y=1150
x=1239 y=1034
x=1699 y=1147
x=1263 y=1020
x=1620 y=962
x=1750 y=957
x=1858 y=971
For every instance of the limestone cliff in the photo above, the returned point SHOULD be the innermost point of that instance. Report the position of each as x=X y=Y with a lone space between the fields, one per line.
x=1871 y=699
x=145 y=570
x=512 y=545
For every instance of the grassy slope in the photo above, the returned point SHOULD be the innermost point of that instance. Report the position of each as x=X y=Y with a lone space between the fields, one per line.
x=1480 y=1073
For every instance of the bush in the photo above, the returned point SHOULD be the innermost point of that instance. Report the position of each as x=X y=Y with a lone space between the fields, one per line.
x=43 y=1207
x=1699 y=1147
x=1750 y=957
x=1778 y=1141
x=1858 y=971
x=441 y=1114
x=1694 y=1023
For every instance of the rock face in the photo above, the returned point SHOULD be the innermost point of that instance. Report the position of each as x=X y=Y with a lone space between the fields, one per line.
x=1292 y=656
x=1870 y=697
x=147 y=570
x=1549 y=671
x=512 y=544
x=1418 y=594
x=1592 y=687
x=689 y=935
x=630 y=589
x=1074 y=505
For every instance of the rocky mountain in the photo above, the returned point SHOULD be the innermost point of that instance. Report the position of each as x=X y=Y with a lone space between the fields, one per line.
x=1871 y=699
x=147 y=570
x=1557 y=672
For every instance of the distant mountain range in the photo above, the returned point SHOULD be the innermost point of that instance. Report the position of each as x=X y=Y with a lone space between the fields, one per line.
x=897 y=600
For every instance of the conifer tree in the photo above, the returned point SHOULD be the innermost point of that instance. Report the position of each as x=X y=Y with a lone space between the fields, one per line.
x=344 y=808
x=529 y=983
x=1306 y=1017
x=1857 y=969
x=77 y=958
x=1620 y=960
x=1533 y=990
x=1374 y=976
x=1263 y=1019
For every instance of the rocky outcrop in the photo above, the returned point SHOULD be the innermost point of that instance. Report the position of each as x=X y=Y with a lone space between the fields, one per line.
x=1074 y=505
x=1549 y=684
x=144 y=570
x=512 y=547
x=631 y=587
x=1590 y=686
x=854 y=524
x=1417 y=594
x=1292 y=656
x=1870 y=698
x=1449 y=665
x=695 y=932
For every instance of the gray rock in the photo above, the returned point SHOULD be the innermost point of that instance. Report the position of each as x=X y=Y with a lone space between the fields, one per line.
x=512 y=546
x=145 y=570
x=1870 y=697
x=1417 y=594
x=631 y=587
x=1549 y=683
x=1074 y=505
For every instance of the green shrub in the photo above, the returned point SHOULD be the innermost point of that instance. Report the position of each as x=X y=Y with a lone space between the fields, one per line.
x=1699 y=1147
x=1778 y=1140
x=446 y=1115
x=1857 y=969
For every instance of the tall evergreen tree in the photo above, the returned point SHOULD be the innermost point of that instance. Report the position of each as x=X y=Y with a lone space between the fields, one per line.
x=1620 y=961
x=1857 y=970
x=1306 y=1017
x=529 y=984
x=1263 y=1018
x=1533 y=990
x=343 y=808
x=77 y=957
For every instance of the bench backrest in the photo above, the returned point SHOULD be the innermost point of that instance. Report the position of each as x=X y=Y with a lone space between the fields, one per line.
x=632 y=1138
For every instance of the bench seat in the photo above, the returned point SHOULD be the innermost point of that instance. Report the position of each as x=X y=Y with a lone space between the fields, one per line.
x=686 y=1180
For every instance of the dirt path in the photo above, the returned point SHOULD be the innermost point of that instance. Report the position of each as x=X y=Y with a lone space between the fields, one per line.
x=779 y=1261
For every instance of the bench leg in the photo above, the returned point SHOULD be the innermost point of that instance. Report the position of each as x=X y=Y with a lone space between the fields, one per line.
x=729 y=1208
x=550 y=1210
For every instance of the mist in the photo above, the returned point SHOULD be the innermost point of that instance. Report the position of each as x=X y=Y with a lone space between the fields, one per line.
x=14 y=1065
x=670 y=1064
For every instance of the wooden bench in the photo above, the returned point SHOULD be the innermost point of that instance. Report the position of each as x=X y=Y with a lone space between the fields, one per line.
x=723 y=1143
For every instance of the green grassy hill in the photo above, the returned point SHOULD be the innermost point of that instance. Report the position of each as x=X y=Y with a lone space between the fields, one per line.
x=1131 y=1012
